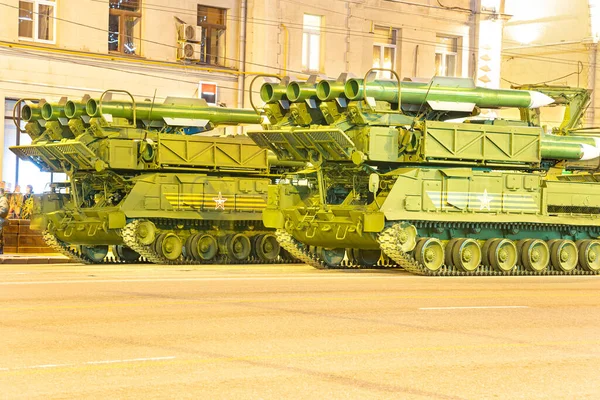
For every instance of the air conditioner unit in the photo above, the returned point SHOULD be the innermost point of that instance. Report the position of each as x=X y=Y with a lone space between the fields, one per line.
x=190 y=32
x=189 y=51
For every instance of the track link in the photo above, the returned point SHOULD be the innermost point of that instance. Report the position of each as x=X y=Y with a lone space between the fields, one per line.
x=391 y=247
x=60 y=247
x=64 y=249
x=297 y=250
x=149 y=253
x=302 y=253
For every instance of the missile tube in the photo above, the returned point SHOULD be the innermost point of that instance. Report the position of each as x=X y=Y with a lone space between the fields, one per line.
x=417 y=93
x=147 y=111
x=31 y=112
x=328 y=90
x=272 y=92
x=299 y=91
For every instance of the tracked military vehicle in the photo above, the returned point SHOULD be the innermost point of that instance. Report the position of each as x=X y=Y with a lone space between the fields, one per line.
x=144 y=184
x=418 y=175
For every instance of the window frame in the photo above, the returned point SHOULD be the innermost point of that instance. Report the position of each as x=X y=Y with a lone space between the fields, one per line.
x=36 y=21
x=393 y=36
x=308 y=31
x=444 y=54
x=122 y=14
x=205 y=38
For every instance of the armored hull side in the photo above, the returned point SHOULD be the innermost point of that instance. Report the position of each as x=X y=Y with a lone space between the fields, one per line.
x=143 y=184
x=221 y=214
x=397 y=185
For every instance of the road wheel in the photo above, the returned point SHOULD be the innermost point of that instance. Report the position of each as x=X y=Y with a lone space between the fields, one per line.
x=332 y=257
x=204 y=247
x=169 y=246
x=502 y=254
x=266 y=247
x=589 y=254
x=407 y=237
x=564 y=255
x=535 y=255
x=238 y=247
x=94 y=253
x=430 y=253
x=146 y=232
x=466 y=254
x=126 y=254
x=366 y=258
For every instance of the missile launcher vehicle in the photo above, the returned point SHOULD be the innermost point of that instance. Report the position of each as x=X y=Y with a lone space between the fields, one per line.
x=143 y=184
x=416 y=175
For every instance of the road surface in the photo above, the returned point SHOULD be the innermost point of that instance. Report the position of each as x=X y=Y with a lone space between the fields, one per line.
x=292 y=332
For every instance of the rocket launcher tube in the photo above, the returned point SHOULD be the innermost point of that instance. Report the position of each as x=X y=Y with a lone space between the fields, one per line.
x=447 y=90
x=31 y=112
x=272 y=92
x=328 y=90
x=174 y=108
x=74 y=109
x=52 y=112
x=298 y=91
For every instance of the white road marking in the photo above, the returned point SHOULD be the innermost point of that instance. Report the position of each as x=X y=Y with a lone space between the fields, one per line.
x=131 y=360
x=469 y=307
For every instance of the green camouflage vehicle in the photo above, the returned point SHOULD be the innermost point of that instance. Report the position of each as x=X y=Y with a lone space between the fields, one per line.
x=144 y=185
x=414 y=174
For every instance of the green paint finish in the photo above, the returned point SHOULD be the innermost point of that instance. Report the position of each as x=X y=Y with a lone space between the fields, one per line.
x=459 y=90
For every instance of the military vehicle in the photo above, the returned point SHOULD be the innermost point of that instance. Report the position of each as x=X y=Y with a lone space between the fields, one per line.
x=422 y=176
x=145 y=185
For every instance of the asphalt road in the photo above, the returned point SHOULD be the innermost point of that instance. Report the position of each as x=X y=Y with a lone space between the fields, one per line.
x=291 y=332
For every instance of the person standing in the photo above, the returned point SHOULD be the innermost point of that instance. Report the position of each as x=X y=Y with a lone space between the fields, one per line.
x=16 y=203
x=4 y=208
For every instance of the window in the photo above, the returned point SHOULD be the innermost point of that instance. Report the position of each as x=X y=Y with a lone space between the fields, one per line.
x=446 y=56
x=19 y=172
x=212 y=44
x=384 y=50
x=37 y=20
x=311 y=43
x=208 y=92
x=124 y=26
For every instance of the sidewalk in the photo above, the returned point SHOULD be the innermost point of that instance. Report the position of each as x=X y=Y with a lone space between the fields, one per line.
x=34 y=258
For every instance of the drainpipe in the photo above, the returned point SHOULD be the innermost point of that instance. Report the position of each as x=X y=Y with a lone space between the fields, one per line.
x=590 y=119
x=242 y=76
x=475 y=20
x=347 y=55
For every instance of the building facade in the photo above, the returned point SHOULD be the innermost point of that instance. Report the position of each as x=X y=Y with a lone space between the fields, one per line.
x=556 y=43
x=212 y=48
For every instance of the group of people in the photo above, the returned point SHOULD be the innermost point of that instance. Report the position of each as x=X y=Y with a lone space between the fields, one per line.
x=11 y=206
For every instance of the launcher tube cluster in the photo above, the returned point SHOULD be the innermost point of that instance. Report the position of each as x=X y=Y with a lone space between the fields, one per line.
x=441 y=93
x=173 y=108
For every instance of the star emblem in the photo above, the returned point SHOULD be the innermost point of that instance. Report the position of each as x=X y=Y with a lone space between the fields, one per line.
x=220 y=202
x=485 y=201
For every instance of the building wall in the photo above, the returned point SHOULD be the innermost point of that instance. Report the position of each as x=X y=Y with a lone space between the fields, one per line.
x=348 y=39
x=79 y=62
x=347 y=35
x=549 y=41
